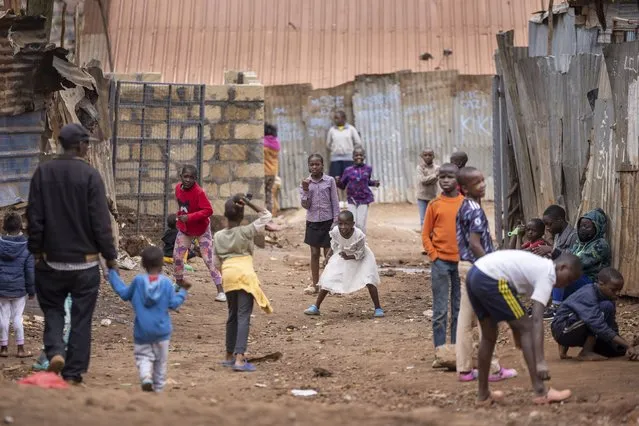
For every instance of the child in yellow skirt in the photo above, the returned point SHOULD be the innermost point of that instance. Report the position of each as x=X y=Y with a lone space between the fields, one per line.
x=234 y=250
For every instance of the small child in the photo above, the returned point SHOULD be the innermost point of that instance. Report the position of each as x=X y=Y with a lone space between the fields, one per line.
x=318 y=194
x=357 y=181
x=474 y=241
x=169 y=237
x=586 y=319
x=17 y=281
x=427 y=172
x=152 y=295
x=350 y=265
x=440 y=243
x=493 y=284
x=271 y=162
x=534 y=233
x=341 y=140
x=234 y=250
x=193 y=221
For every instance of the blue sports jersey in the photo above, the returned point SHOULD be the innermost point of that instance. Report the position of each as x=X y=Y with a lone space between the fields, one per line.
x=472 y=219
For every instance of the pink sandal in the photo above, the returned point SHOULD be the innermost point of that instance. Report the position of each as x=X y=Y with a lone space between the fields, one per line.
x=503 y=374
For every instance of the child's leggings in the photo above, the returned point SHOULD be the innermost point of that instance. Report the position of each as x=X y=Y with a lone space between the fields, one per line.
x=360 y=214
x=182 y=246
x=11 y=311
x=239 y=321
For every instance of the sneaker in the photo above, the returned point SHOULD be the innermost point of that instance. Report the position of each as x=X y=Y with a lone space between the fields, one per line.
x=312 y=310
x=379 y=313
x=56 y=364
x=147 y=385
x=468 y=377
x=221 y=297
x=503 y=374
x=549 y=312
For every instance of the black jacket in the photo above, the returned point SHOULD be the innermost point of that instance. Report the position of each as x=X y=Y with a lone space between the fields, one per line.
x=68 y=214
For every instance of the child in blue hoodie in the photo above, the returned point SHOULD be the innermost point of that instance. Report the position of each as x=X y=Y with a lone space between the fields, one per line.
x=152 y=295
x=17 y=280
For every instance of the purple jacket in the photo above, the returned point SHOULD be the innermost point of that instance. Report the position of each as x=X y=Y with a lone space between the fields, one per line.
x=357 y=182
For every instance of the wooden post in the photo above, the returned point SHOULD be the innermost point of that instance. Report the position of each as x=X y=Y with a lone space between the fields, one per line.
x=551 y=27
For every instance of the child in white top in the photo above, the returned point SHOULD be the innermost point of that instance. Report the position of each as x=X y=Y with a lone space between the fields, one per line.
x=353 y=268
x=494 y=283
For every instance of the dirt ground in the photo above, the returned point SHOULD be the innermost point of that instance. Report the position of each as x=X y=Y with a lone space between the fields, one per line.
x=381 y=368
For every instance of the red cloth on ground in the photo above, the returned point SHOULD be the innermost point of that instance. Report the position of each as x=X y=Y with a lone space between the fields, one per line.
x=45 y=380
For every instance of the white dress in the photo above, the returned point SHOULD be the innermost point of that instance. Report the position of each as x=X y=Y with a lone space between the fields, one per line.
x=347 y=276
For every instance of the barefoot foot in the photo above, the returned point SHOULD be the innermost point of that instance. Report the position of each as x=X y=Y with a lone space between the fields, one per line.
x=590 y=356
x=495 y=397
x=552 y=396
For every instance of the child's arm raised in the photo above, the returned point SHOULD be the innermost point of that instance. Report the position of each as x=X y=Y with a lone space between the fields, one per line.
x=125 y=292
x=305 y=195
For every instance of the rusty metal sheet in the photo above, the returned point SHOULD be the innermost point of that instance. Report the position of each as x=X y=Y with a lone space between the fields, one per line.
x=19 y=154
x=377 y=105
x=284 y=107
x=325 y=43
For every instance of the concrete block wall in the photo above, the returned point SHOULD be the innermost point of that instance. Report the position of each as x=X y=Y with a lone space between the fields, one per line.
x=228 y=150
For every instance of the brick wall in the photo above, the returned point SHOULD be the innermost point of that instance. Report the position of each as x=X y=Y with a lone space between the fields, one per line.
x=217 y=128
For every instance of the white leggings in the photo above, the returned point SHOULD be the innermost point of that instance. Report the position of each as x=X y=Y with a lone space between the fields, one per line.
x=11 y=311
x=360 y=214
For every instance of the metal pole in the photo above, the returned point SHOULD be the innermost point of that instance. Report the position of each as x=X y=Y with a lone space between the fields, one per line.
x=142 y=136
x=200 y=134
x=167 y=156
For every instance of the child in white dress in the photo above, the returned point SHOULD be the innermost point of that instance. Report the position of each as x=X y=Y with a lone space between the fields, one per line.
x=352 y=268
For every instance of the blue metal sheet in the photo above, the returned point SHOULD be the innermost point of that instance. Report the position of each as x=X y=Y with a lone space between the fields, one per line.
x=20 y=137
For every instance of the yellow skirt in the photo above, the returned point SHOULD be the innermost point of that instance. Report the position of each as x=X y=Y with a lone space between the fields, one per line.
x=238 y=274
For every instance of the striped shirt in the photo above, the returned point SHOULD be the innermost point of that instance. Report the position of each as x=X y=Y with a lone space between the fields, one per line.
x=321 y=200
x=471 y=219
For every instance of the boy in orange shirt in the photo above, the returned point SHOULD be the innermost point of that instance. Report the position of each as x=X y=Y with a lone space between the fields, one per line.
x=439 y=236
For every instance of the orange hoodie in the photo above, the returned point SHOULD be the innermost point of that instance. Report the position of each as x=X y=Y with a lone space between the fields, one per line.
x=440 y=228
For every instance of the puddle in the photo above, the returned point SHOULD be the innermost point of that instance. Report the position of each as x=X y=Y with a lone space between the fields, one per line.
x=406 y=270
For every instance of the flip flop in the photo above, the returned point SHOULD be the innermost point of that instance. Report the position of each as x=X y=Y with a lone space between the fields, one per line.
x=246 y=368
x=552 y=396
x=495 y=397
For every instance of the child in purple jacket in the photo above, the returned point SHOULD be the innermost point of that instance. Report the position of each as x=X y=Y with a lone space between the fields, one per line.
x=357 y=181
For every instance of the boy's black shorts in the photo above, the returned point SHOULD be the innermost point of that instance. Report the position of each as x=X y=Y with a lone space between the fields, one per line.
x=493 y=298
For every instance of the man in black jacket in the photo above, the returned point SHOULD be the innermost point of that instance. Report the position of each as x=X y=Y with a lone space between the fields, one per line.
x=69 y=227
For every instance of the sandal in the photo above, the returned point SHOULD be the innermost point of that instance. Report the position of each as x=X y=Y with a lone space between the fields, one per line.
x=503 y=374
x=311 y=289
x=495 y=397
x=246 y=368
x=553 y=395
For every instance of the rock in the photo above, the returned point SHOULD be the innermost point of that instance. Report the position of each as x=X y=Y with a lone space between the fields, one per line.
x=428 y=313
x=322 y=372
x=8 y=420
x=105 y=322
x=534 y=414
x=445 y=357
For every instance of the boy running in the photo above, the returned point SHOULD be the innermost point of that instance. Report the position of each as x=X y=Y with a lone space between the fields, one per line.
x=493 y=284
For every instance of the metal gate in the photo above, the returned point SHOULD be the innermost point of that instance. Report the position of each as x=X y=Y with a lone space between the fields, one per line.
x=158 y=127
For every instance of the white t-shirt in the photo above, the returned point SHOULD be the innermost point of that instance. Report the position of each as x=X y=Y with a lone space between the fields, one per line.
x=530 y=274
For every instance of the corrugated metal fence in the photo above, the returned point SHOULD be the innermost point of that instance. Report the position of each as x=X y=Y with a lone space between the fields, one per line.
x=574 y=126
x=397 y=115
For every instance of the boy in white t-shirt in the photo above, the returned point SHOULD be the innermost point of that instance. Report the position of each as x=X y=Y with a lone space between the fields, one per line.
x=494 y=283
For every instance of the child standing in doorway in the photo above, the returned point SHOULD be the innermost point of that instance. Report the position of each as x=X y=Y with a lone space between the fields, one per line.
x=341 y=141
x=17 y=282
x=357 y=182
x=234 y=250
x=473 y=241
x=350 y=265
x=318 y=194
x=440 y=243
x=152 y=295
x=193 y=221
x=427 y=173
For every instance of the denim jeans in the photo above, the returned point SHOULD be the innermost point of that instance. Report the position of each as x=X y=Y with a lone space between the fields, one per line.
x=422 y=205
x=445 y=282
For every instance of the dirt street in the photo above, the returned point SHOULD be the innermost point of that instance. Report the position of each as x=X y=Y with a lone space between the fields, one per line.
x=381 y=368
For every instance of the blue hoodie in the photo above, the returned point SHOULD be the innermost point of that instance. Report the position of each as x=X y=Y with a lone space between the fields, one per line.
x=151 y=302
x=17 y=277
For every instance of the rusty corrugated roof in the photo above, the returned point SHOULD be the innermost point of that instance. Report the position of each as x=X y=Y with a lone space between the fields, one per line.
x=322 y=42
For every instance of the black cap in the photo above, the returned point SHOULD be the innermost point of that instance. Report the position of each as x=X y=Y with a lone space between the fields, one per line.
x=72 y=134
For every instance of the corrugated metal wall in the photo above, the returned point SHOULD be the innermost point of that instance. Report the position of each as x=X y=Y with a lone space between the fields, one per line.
x=397 y=115
x=322 y=42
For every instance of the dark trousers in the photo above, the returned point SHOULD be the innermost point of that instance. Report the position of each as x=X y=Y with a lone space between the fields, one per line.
x=52 y=288
x=574 y=333
x=237 y=326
